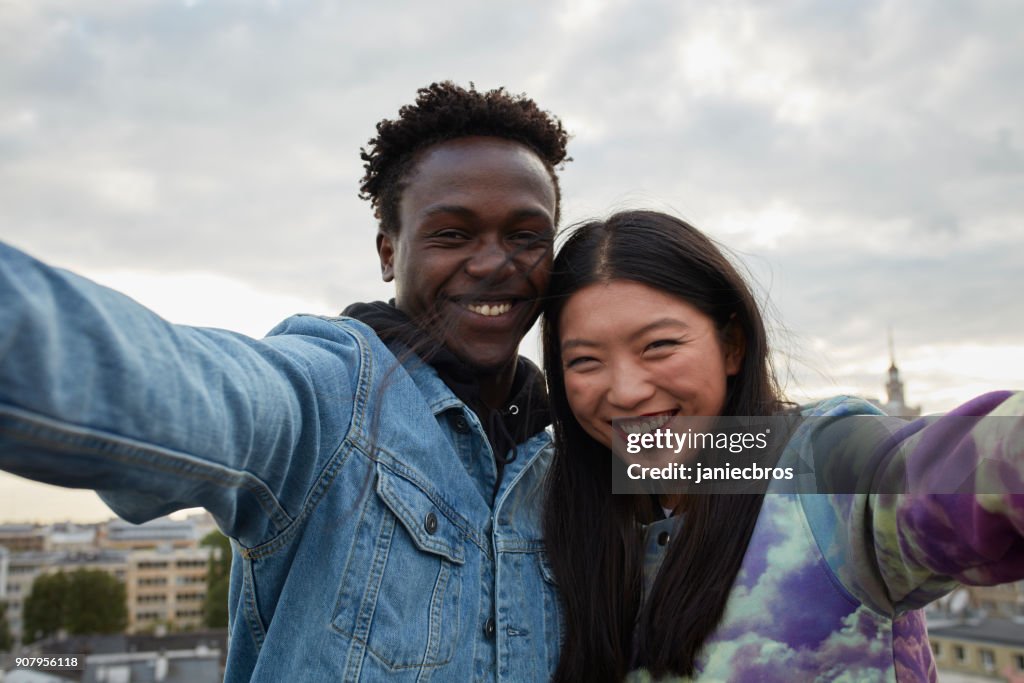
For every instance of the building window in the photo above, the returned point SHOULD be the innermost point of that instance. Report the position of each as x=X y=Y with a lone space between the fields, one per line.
x=937 y=649
x=189 y=580
x=154 y=581
x=988 y=659
x=144 y=599
x=191 y=564
x=959 y=653
x=152 y=565
x=1019 y=661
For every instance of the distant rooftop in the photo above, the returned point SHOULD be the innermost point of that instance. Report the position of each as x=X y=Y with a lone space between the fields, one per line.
x=985 y=630
x=163 y=528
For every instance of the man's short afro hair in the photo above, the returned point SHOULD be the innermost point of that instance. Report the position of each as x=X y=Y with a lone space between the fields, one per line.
x=445 y=111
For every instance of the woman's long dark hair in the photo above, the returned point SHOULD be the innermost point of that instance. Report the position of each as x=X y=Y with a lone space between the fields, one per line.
x=593 y=538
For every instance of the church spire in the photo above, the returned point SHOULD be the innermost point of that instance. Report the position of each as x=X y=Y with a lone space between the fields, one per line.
x=894 y=387
x=896 y=402
x=892 y=353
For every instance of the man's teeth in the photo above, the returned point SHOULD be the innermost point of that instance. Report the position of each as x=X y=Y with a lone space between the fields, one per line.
x=490 y=309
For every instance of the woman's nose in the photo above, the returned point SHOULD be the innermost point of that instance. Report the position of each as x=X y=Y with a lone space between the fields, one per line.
x=629 y=388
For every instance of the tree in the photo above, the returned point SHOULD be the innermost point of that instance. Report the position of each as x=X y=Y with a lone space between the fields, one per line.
x=84 y=601
x=97 y=603
x=44 y=607
x=6 y=640
x=218 y=577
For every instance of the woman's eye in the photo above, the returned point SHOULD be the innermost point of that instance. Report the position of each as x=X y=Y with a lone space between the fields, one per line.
x=580 y=362
x=663 y=344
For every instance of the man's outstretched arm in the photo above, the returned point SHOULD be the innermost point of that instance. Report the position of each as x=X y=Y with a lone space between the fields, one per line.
x=96 y=391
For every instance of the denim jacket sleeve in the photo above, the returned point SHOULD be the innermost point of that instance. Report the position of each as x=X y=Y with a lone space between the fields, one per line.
x=97 y=391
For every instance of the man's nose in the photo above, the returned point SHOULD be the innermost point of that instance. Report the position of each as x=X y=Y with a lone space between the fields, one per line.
x=490 y=261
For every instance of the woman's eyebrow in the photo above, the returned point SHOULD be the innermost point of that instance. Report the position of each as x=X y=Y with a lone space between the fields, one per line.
x=649 y=327
x=576 y=343
x=657 y=324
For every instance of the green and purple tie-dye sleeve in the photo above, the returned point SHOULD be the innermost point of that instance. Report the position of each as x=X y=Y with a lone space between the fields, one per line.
x=944 y=502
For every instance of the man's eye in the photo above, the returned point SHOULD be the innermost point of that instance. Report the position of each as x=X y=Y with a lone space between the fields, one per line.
x=531 y=238
x=451 y=234
x=525 y=236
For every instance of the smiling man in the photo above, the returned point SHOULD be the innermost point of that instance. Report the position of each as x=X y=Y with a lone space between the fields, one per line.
x=475 y=251
x=380 y=473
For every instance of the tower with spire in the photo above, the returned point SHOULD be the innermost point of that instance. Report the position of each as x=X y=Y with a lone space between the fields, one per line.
x=895 y=402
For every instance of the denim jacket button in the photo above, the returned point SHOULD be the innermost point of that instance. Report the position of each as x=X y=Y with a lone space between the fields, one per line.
x=663 y=538
x=461 y=424
x=430 y=523
x=489 y=628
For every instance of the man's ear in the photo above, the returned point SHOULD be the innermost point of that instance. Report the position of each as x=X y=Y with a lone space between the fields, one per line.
x=734 y=347
x=386 y=252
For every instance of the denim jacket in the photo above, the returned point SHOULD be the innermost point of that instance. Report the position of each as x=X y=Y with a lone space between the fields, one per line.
x=358 y=490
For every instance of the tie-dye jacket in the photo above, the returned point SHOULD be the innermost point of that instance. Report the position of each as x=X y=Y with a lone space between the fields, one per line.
x=832 y=584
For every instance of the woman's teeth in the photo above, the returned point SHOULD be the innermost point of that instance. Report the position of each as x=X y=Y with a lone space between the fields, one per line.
x=642 y=426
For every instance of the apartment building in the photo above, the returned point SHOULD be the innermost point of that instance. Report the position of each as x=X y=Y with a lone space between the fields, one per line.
x=1006 y=600
x=118 y=534
x=4 y=562
x=166 y=588
x=989 y=648
x=160 y=562
x=21 y=538
x=70 y=537
x=67 y=536
x=24 y=567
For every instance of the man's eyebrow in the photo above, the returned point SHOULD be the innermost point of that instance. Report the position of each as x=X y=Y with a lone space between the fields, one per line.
x=649 y=327
x=448 y=208
x=517 y=214
x=523 y=213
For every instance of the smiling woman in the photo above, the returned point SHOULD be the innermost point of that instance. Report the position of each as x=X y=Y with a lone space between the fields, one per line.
x=648 y=354
x=646 y=322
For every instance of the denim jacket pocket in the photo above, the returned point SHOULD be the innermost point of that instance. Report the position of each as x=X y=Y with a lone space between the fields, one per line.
x=546 y=571
x=552 y=611
x=400 y=594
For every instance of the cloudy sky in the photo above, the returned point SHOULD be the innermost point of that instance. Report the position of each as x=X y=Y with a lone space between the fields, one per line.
x=863 y=159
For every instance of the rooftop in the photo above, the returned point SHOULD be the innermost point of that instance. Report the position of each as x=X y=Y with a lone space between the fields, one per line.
x=984 y=630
